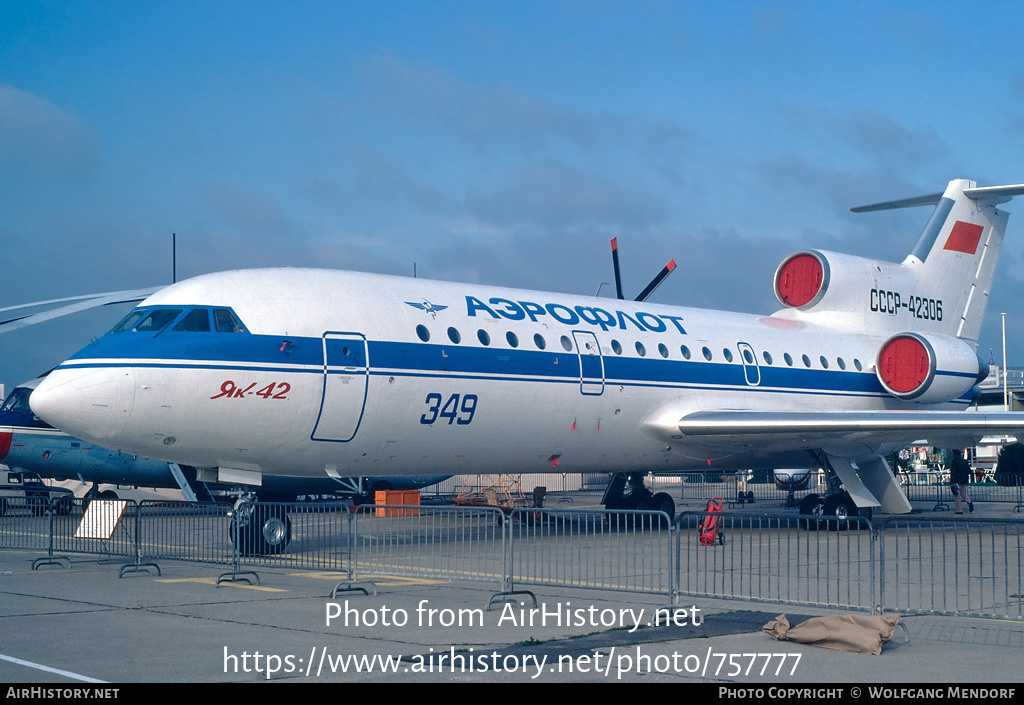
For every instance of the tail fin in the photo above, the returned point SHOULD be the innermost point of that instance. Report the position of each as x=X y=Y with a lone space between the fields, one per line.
x=953 y=263
x=942 y=286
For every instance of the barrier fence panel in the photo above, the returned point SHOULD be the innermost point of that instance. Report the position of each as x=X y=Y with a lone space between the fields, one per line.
x=777 y=559
x=606 y=550
x=107 y=528
x=25 y=527
x=185 y=531
x=446 y=542
x=313 y=535
x=933 y=486
x=967 y=567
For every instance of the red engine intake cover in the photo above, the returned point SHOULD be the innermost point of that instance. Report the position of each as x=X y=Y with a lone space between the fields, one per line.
x=904 y=365
x=799 y=280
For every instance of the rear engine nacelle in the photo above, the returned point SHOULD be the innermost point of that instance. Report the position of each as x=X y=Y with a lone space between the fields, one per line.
x=814 y=280
x=928 y=368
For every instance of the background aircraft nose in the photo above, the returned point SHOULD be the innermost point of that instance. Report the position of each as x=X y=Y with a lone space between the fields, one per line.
x=94 y=404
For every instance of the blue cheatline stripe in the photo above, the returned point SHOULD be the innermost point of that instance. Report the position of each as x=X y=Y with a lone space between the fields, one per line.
x=304 y=355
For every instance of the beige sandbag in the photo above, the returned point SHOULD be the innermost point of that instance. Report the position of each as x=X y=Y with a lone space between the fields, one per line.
x=860 y=633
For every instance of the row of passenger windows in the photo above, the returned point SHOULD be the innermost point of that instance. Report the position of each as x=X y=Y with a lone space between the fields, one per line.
x=748 y=355
x=197 y=320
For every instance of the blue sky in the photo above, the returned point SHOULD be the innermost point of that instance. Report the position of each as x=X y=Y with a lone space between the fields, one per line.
x=493 y=142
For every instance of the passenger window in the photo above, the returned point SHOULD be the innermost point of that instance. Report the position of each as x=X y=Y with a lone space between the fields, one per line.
x=195 y=321
x=454 y=336
x=539 y=341
x=807 y=360
x=422 y=333
x=566 y=344
x=767 y=357
x=727 y=354
x=513 y=339
x=788 y=358
x=225 y=322
x=617 y=347
x=856 y=363
x=841 y=363
x=640 y=349
x=156 y=320
x=707 y=353
x=662 y=350
x=685 y=351
x=483 y=337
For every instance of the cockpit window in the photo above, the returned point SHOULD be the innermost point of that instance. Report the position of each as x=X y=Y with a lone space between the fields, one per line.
x=157 y=319
x=225 y=322
x=18 y=401
x=130 y=320
x=195 y=321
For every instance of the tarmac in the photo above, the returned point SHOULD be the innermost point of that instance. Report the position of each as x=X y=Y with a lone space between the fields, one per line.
x=82 y=626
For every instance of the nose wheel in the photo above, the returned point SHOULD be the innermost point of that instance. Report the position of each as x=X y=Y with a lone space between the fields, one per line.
x=262 y=530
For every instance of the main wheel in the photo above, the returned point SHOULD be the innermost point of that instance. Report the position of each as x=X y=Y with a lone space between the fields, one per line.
x=810 y=506
x=838 y=509
x=663 y=502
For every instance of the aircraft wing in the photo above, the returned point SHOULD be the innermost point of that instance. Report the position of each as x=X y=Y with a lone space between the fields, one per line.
x=845 y=433
x=73 y=305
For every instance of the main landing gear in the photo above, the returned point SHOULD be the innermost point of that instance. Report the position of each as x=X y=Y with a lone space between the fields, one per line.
x=837 y=512
x=627 y=491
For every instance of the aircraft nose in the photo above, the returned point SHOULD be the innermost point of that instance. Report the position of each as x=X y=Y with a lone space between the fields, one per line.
x=94 y=403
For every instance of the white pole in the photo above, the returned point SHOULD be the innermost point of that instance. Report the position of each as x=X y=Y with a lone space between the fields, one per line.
x=1006 y=396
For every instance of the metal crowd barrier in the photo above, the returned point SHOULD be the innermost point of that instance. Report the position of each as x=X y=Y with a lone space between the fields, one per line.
x=50 y=527
x=595 y=549
x=777 y=559
x=184 y=531
x=469 y=543
x=962 y=566
x=966 y=567
x=933 y=486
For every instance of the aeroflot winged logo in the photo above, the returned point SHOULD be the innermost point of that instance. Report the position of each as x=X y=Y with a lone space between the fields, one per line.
x=430 y=308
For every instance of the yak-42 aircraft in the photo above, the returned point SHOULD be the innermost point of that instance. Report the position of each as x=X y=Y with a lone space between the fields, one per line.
x=330 y=373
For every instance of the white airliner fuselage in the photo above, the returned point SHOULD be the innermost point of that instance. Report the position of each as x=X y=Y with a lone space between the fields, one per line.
x=314 y=372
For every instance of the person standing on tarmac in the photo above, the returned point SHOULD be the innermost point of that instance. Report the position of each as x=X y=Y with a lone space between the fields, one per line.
x=959 y=476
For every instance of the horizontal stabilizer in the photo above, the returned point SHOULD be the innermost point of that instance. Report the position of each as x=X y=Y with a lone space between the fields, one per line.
x=929 y=200
x=987 y=195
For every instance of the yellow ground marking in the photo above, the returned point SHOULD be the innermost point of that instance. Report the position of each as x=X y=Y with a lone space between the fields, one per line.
x=392 y=579
x=213 y=581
